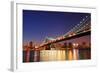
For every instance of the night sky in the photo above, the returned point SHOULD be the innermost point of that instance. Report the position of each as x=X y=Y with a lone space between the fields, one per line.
x=37 y=25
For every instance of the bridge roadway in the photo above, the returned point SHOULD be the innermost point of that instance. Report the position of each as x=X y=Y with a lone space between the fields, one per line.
x=68 y=37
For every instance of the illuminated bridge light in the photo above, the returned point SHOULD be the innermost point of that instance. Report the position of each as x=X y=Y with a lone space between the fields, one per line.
x=87 y=24
x=74 y=34
x=83 y=19
x=86 y=16
x=80 y=22
x=70 y=35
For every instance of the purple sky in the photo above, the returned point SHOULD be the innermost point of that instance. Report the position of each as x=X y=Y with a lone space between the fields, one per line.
x=40 y=24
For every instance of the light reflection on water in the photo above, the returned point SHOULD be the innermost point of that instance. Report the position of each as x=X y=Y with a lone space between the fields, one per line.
x=59 y=55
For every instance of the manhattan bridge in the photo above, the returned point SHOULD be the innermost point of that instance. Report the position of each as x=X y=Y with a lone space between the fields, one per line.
x=79 y=30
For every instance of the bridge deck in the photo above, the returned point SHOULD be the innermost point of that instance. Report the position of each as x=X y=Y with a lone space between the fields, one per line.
x=69 y=37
